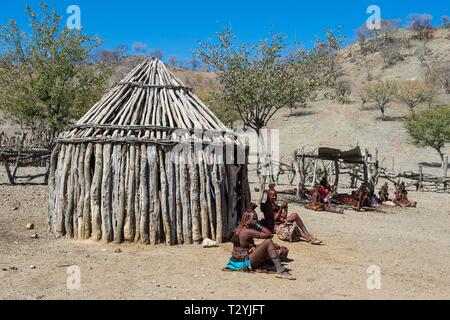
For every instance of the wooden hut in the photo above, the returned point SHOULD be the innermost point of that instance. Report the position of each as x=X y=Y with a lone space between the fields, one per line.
x=148 y=163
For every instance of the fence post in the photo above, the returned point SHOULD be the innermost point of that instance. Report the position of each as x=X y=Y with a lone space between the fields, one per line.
x=420 y=178
x=445 y=170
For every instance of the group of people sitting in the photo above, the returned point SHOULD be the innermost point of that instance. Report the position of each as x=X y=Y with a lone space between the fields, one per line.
x=400 y=197
x=363 y=198
x=323 y=196
x=248 y=256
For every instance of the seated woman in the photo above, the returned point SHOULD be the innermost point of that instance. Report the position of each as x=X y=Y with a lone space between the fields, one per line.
x=384 y=196
x=329 y=202
x=316 y=203
x=384 y=193
x=361 y=198
x=246 y=255
x=401 y=197
x=324 y=188
x=287 y=227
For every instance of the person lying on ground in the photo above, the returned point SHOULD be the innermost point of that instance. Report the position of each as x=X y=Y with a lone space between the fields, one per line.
x=288 y=227
x=246 y=255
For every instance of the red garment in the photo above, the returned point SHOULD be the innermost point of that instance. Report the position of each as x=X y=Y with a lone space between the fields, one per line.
x=323 y=192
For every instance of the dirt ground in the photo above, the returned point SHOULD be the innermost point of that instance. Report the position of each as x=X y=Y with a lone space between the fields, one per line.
x=411 y=247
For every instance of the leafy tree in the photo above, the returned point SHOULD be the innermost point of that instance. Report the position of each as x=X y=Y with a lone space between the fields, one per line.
x=259 y=80
x=225 y=113
x=382 y=93
x=45 y=81
x=430 y=128
x=413 y=93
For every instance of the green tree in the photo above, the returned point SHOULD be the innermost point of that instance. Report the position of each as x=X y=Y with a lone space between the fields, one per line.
x=382 y=93
x=226 y=114
x=45 y=79
x=413 y=93
x=430 y=128
x=259 y=80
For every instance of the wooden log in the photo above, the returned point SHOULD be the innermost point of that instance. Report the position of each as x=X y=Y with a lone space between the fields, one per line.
x=204 y=218
x=185 y=200
x=116 y=161
x=96 y=194
x=233 y=197
x=138 y=194
x=313 y=183
x=245 y=183
x=55 y=163
x=130 y=222
x=445 y=168
x=80 y=193
x=87 y=225
x=336 y=174
x=144 y=191
x=179 y=206
x=71 y=194
x=195 y=201
x=106 y=210
x=155 y=211
x=164 y=198
x=209 y=196
x=215 y=179
x=366 y=167
x=224 y=191
x=120 y=218
x=171 y=185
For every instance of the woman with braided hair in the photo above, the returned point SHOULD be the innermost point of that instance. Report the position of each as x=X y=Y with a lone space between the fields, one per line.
x=288 y=227
x=246 y=255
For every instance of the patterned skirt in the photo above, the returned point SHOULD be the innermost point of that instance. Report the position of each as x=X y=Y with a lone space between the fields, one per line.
x=286 y=231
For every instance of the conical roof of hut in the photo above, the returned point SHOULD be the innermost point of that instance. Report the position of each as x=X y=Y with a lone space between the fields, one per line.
x=149 y=103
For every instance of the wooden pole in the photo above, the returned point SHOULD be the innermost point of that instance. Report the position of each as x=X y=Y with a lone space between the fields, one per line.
x=336 y=174
x=144 y=191
x=366 y=167
x=420 y=178
x=445 y=170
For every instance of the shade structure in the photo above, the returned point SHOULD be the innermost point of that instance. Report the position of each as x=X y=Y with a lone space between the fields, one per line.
x=148 y=163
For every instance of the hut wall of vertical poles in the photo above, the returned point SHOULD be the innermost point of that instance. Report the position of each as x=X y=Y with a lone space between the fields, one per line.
x=149 y=163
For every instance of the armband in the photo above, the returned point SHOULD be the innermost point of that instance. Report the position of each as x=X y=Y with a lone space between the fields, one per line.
x=258 y=226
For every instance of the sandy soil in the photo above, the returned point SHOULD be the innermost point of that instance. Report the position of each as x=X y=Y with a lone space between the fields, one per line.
x=411 y=246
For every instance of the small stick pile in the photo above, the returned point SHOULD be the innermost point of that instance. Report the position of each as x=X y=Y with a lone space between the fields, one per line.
x=132 y=170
